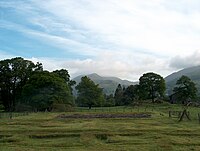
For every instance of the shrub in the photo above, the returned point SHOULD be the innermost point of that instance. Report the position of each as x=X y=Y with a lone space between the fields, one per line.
x=23 y=107
x=1 y=108
x=62 y=108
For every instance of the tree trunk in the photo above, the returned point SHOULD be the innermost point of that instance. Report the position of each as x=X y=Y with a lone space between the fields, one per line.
x=152 y=95
x=90 y=106
x=152 y=99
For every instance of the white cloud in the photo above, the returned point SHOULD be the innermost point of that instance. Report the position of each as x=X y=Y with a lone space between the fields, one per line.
x=109 y=64
x=118 y=38
x=155 y=25
x=179 y=62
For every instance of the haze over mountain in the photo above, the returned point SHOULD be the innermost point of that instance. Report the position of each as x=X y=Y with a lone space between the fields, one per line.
x=193 y=73
x=109 y=84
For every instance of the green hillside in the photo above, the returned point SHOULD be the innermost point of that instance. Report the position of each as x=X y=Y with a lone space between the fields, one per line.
x=192 y=72
x=109 y=84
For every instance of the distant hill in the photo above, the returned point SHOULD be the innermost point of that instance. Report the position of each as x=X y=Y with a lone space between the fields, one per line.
x=193 y=73
x=109 y=84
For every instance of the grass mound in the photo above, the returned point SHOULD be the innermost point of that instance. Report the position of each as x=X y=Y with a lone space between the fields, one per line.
x=118 y=115
x=115 y=129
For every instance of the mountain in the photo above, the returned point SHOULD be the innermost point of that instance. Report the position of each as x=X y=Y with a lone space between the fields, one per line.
x=109 y=84
x=193 y=73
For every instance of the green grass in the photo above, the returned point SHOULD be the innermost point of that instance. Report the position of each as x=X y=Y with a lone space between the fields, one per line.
x=44 y=131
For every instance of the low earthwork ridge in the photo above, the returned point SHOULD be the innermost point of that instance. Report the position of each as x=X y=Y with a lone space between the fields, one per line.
x=139 y=115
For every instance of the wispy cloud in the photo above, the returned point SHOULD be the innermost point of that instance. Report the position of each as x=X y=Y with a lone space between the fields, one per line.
x=179 y=62
x=114 y=37
x=109 y=64
x=155 y=26
x=58 y=41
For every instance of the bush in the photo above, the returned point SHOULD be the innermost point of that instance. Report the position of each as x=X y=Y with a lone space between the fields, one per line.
x=1 y=108
x=62 y=108
x=23 y=108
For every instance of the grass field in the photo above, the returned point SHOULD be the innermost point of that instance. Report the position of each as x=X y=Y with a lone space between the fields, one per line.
x=44 y=131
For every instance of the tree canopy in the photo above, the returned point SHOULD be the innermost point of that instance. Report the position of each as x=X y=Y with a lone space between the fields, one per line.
x=23 y=82
x=89 y=93
x=185 y=89
x=45 y=88
x=152 y=86
x=63 y=73
x=14 y=73
x=119 y=92
x=131 y=94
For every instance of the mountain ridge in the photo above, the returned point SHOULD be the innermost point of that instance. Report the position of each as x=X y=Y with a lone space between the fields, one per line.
x=109 y=84
x=192 y=72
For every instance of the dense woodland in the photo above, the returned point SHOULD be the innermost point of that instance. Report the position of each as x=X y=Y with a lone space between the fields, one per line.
x=25 y=86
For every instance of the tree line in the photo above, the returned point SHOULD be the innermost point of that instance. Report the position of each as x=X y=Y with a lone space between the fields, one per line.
x=152 y=87
x=25 y=86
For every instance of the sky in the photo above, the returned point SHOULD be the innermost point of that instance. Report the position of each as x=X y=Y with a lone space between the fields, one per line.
x=122 y=38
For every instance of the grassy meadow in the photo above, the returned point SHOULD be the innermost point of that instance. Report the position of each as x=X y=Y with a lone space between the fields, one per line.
x=46 y=132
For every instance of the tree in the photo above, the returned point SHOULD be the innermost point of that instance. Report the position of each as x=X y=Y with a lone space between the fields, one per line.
x=14 y=73
x=65 y=75
x=130 y=94
x=89 y=93
x=119 y=92
x=45 y=88
x=109 y=100
x=151 y=86
x=185 y=89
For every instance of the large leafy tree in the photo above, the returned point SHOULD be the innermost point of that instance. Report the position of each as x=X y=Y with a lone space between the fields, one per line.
x=152 y=86
x=14 y=73
x=63 y=73
x=109 y=100
x=131 y=94
x=45 y=88
x=185 y=89
x=119 y=94
x=89 y=93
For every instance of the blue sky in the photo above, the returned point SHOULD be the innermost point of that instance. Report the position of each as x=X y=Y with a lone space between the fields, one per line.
x=109 y=37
